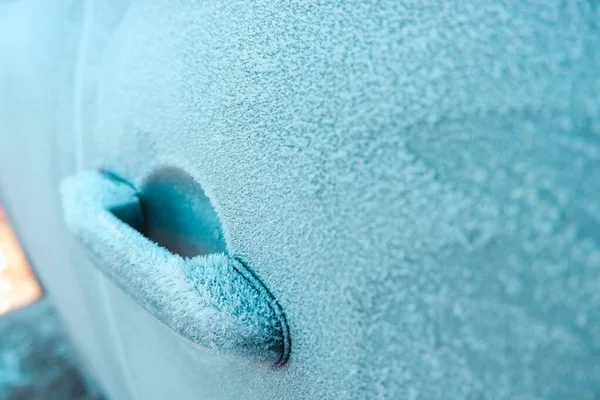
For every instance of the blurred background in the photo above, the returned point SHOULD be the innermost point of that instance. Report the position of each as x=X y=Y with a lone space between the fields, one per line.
x=36 y=358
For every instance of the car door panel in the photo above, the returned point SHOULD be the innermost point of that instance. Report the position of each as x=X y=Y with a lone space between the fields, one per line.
x=413 y=183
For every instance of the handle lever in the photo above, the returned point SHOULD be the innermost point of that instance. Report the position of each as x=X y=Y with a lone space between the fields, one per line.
x=213 y=301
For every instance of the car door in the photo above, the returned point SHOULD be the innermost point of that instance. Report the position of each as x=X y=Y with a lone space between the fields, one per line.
x=414 y=185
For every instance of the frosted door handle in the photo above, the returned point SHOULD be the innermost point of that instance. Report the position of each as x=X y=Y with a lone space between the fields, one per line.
x=214 y=301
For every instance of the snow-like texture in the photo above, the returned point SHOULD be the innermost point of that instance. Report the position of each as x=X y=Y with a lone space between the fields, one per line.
x=416 y=181
x=211 y=300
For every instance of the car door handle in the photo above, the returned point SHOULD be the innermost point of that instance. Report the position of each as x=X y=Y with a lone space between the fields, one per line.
x=214 y=301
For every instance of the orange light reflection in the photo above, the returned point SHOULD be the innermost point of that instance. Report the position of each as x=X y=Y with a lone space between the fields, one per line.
x=18 y=284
